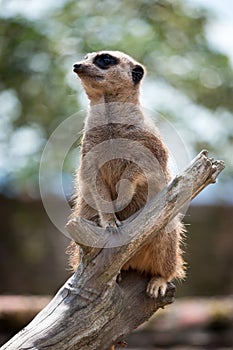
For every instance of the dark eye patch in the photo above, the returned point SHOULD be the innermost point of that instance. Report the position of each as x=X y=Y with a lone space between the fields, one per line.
x=105 y=61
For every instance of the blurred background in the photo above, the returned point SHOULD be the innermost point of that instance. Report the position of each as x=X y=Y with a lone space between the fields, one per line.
x=187 y=49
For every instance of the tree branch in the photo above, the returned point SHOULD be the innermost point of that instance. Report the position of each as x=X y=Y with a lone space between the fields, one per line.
x=92 y=310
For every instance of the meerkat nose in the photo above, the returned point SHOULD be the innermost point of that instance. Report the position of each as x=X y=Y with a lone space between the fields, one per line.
x=77 y=67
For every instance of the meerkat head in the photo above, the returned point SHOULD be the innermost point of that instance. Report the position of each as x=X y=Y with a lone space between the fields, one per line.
x=110 y=74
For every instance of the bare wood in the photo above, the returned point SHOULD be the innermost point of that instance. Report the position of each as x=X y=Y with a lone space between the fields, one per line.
x=92 y=311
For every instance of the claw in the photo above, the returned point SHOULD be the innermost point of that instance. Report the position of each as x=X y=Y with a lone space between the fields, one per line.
x=112 y=228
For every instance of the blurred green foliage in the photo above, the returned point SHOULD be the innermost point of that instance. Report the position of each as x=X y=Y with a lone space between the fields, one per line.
x=36 y=60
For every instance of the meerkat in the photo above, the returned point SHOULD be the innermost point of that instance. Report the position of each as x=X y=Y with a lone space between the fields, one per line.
x=111 y=80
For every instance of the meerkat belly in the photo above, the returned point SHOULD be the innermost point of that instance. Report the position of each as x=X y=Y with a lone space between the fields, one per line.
x=129 y=198
x=143 y=261
x=138 y=201
x=111 y=173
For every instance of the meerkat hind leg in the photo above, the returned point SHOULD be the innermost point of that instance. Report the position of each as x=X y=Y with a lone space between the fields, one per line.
x=156 y=286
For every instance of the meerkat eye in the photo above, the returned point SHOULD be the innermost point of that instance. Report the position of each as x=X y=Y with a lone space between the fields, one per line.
x=105 y=61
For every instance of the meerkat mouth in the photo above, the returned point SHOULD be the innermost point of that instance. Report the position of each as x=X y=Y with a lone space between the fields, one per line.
x=85 y=75
x=81 y=72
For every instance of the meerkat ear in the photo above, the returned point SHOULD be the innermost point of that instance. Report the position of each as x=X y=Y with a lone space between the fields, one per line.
x=137 y=73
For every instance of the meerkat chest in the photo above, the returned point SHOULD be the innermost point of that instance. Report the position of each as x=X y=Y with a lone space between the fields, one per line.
x=105 y=150
x=105 y=142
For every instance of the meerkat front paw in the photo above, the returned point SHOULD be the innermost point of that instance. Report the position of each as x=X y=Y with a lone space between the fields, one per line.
x=113 y=227
x=109 y=222
x=156 y=286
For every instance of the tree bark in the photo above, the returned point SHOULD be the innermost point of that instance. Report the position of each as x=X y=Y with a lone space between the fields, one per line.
x=93 y=310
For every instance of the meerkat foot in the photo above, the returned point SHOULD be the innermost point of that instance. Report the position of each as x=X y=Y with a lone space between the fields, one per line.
x=156 y=286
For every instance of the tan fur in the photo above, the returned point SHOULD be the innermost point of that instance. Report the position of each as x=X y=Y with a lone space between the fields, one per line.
x=161 y=258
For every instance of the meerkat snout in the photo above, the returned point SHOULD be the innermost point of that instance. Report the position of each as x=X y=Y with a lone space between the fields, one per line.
x=137 y=73
x=77 y=67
